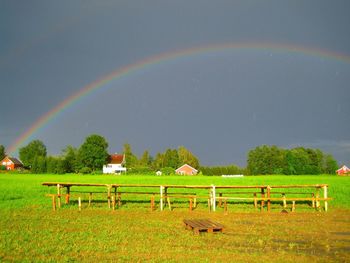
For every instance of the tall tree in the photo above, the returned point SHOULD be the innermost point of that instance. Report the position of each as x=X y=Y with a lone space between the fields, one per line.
x=185 y=156
x=145 y=159
x=70 y=160
x=34 y=149
x=298 y=161
x=61 y=166
x=93 y=152
x=329 y=164
x=51 y=164
x=39 y=165
x=158 y=162
x=2 y=152
x=171 y=158
x=130 y=158
x=260 y=160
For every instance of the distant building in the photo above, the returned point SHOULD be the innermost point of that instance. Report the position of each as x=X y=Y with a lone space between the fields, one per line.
x=11 y=163
x=186 y=170
x=116 y=164
x=159 y=173
x=344 y=170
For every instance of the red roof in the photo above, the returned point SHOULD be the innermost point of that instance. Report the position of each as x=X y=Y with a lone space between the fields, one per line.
x=186 y=169
x=116 y=158
x=342 y=170
x=13 y=160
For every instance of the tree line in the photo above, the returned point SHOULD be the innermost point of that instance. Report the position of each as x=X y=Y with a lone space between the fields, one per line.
x=274 y=160
x=93 y=154
x=222 y=170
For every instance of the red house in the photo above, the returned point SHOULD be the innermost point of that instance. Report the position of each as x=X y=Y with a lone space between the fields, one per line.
x=186 y=170
x=11 y=163
x=344 y=170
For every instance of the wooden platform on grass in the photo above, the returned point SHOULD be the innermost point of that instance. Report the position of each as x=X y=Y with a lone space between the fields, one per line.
x=203 y=225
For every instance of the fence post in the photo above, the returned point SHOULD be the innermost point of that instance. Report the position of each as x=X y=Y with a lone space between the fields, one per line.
x=54 y=202
x=317 y=197
x=263 y=196
x=268 y=196
x=213 y=197
x=109 y=195
x=325 y=195
x=161 y=198
x=284 y=200
x=255 y=201
x=113 y=202
x=59 y=195
x=119 y=199
x=68 y=195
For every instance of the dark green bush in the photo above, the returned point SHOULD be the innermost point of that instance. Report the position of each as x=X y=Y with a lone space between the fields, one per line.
x=140 y=170
x=85 y=170
x=167 y=170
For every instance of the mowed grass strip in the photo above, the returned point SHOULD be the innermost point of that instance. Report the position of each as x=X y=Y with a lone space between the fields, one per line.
x=18 y=191
x=31 y=231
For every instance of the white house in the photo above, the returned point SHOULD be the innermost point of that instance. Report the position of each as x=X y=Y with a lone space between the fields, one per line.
x=115 y=165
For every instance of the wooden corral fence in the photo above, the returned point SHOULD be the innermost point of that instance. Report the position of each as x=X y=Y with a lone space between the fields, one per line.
x=266 y=195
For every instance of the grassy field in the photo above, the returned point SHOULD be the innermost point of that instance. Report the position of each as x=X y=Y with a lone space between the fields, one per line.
x=31 y=231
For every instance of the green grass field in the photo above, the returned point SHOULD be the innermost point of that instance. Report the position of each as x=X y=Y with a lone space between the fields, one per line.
x=31 y=232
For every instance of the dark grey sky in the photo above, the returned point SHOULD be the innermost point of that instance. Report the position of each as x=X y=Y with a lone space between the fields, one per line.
x=218 y=104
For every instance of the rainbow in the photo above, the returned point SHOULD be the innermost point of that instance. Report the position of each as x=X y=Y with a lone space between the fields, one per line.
x=163 y=57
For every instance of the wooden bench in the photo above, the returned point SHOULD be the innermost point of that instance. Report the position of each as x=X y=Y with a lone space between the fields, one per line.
x=151 y=194
x=191 y=197
x=116 y=197
x=283 y=199
x=255 y=198
x=203 y=225
x=57 y=197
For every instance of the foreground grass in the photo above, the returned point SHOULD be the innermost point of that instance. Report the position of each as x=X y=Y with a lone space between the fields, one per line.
x=30 y=231
x=29 y=235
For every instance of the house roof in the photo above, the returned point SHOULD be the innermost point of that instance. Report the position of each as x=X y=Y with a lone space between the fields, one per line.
x=186 y=165
x=343 y=168
x=116 y=158
x=14 y=160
